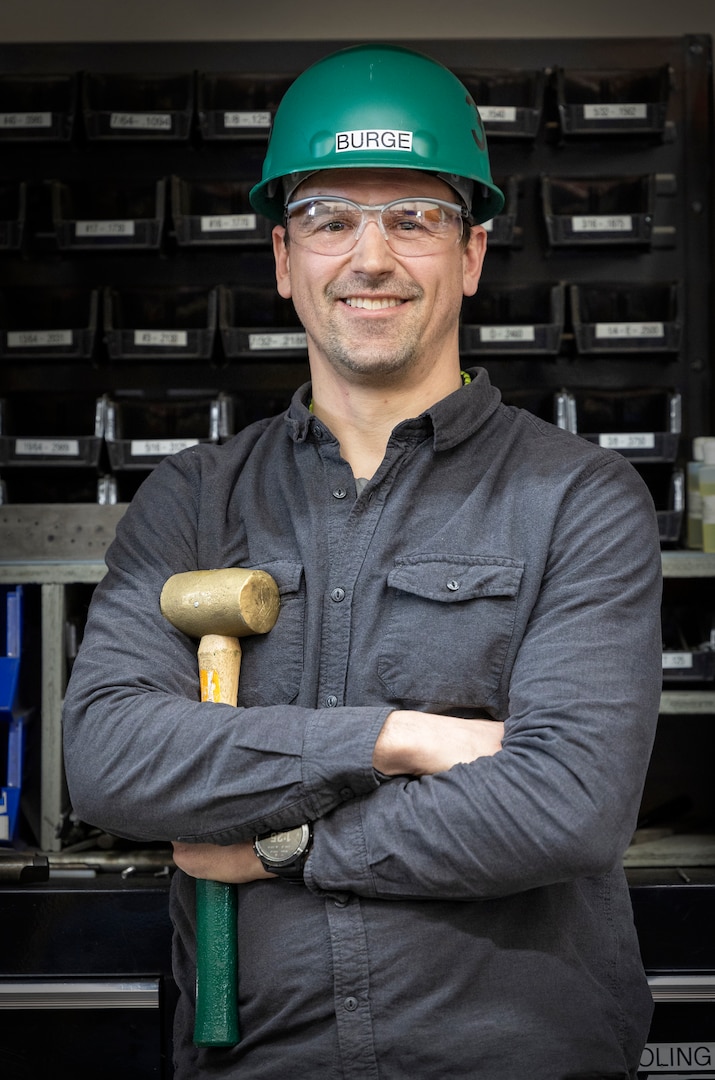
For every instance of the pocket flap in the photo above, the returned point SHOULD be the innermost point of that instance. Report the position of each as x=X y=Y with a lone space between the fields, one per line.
x=453 y=578
x=287 y=574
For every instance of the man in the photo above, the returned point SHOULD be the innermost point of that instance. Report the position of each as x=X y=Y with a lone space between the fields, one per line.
x=460 y=694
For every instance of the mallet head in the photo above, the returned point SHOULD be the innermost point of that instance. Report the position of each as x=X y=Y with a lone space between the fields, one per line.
x=234 y=602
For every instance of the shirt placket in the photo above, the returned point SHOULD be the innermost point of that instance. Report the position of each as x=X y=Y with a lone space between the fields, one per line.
x=349 y=529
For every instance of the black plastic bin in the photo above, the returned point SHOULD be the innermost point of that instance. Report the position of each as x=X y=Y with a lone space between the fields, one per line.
x=513 y=320
x=628 y=317
x=613 y=102
x=237 y=105
x=160 y=322
x=137 y=106
x=48 y=323
x=216 y=212
x=98 y=216
x=510 y=103
x=256 y=322
x=141 y=429
x=51 y=430
x=582 y=210
x=37 y=108
x=642 y=423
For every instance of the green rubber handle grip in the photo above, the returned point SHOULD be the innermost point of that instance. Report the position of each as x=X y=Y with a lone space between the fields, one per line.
x=216 y=1020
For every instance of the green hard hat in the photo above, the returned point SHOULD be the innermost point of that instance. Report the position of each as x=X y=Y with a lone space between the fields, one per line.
x=376 y=107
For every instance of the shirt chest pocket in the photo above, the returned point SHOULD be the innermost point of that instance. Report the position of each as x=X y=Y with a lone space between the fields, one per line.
x=272 y=663
x=449 y=625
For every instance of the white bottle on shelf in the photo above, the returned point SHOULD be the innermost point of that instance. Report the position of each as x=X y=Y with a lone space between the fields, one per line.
x=694 y=500
x=706 y=478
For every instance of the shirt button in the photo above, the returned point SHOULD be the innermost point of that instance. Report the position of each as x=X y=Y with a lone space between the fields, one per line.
x=331 y=701
x=346 y=793
x=453 y=585
x=337 y=595
x=342 y=900
x=350 y=1004
x=339 y=493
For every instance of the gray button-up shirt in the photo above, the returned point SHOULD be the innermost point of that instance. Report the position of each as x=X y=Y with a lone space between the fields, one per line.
x=474 y=923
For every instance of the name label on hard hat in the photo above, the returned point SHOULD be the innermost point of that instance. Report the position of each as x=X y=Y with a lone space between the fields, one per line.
x=373 y=139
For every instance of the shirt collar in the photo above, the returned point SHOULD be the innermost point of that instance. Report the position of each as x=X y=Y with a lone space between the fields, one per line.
x=451 y=420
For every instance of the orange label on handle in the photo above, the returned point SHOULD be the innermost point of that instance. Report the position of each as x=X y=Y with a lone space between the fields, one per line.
x=210 y=684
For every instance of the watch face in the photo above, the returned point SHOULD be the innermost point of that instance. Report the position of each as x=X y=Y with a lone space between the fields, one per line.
x=281 y=847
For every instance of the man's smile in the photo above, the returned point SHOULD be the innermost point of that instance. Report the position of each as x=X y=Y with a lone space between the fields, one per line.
x=372 y=303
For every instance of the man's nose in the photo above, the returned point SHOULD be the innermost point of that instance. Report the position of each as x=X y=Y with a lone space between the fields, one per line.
x=371 y=250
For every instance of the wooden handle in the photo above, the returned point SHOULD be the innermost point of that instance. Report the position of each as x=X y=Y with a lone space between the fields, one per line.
x=216 y=1018
x=219 y=668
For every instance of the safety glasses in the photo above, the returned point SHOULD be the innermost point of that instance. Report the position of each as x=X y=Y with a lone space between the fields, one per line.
x=333 y=225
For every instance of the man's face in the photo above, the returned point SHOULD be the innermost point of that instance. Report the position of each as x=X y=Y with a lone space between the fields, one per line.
x=370 y=314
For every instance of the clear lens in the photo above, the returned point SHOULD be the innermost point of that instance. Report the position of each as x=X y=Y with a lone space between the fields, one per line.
x=410 y=226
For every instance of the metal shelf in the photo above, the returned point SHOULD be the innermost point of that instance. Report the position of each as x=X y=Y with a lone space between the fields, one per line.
x=688 y=564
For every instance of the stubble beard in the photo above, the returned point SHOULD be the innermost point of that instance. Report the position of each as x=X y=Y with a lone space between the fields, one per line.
x=377 y=352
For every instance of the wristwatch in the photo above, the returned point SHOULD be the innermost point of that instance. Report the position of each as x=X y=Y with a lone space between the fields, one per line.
x=285 y=853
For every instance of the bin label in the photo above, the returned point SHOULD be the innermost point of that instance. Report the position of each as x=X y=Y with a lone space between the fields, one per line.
x=33 y=339
x=26 y=120
x=228 y=223
x=630 y=330
x=258 y=342
x=140 y=121
x=247 y=119
x=677 y=660
x=507 y=333
x=623 y=110
x=48 y=447
x=162 y=338
x=498 y=114
x=633 y=440
x=678 y=1060
x=104 y=228
x=602 y=223
x=154 y=447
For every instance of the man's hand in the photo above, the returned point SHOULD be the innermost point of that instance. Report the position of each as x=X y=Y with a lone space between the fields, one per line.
x=234 y=864
x=418 y=744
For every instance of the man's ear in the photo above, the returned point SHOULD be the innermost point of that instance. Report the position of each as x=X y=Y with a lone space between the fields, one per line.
x=280 y=254
x=473 y=257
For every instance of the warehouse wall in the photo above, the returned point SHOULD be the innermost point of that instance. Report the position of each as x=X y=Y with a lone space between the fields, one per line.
x=211 y=20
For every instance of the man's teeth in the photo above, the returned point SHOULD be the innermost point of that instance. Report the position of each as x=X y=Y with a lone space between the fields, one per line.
x=370 y=304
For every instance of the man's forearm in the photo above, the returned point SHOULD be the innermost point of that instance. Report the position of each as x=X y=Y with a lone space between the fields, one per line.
x=417 y=744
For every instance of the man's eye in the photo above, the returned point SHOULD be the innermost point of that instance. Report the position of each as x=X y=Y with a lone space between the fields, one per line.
x=404 y=222
x=407 y=224
x=336 y=225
